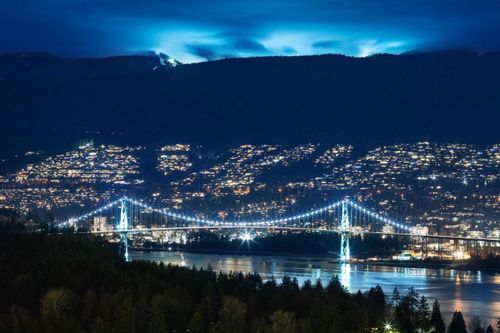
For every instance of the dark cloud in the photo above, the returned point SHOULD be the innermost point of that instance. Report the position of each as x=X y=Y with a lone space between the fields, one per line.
x=327 y=44
x=249 y=45
x=231 y=46
x=206 y=52
x=288 y=50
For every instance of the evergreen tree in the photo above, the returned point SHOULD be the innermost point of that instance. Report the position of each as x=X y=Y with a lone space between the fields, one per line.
x=232 y=316
x=422 y=321
x=90 y=302
x=260 y=325
x=56 y=310
x=157 y=322
x=436 y=322
x=20 y=321
x=402 y=317
x=318 y=286
x=413 y=300
x=188 y=300
x=304 y=326
x=408 y=311
x=395 y=298
x=489 y=329
x=283 y=322
x=197 y=324
x=376 y=297
x=335 y=289
x=457 y=324
x=57 y=304
x=476 y=325
x=126 y=313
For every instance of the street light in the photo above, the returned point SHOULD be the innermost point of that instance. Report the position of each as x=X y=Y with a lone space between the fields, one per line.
x=246 y=236
x=388 y=326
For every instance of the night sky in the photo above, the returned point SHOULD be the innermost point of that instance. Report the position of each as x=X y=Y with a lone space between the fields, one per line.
x=197 y=30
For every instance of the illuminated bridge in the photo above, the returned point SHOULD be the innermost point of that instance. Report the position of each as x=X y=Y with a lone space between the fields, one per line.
x=128 y=216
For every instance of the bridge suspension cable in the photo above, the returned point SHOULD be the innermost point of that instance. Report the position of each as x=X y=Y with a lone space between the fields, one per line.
x=304 y=216
x=128 y=216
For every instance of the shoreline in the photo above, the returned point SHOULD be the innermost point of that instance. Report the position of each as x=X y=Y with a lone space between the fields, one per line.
x=435 y=265
x=389 y=263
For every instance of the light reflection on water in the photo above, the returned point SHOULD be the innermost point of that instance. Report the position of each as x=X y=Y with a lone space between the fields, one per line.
x=474 y=293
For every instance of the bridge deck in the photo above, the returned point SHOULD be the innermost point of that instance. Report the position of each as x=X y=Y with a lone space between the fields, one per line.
x=337 y=231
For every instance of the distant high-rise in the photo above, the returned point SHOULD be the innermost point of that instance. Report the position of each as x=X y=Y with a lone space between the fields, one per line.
x=100 y=223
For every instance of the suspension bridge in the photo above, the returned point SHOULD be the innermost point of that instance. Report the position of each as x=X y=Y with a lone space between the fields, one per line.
x=127 y=216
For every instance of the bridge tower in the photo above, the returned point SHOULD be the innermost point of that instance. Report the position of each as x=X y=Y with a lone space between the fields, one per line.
x=345 y=223
x=123 y=226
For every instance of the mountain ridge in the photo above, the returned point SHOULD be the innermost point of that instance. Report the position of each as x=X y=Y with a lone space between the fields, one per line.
x=29 y=65
x=443 y=96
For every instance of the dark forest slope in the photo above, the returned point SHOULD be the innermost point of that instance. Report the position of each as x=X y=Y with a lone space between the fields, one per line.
x=331 y=98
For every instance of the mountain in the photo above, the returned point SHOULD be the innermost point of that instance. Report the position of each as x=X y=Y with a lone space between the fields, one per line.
x=447 y=96
x=29 y=66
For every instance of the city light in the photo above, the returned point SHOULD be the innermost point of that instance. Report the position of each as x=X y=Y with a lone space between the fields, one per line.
x=104 y=165
x=460 y=255
x=388 y=326
x=246 y=236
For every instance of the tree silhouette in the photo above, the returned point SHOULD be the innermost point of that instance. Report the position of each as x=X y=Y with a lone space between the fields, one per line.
x=56 y=304
x=422 y=321
x=157 y=322
x=395 y=298
x=436 y=320
x=457 y=324
x=78 y=283
x=406 y=313
x=283 y=322
x=476 y=325
x=232 y=316
x=197 y=325
x=56 y=310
